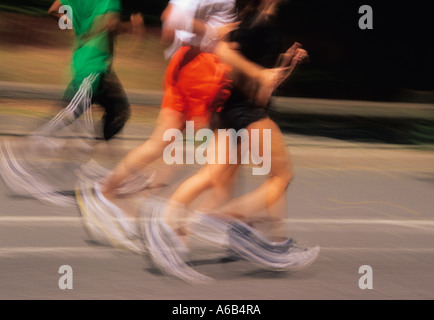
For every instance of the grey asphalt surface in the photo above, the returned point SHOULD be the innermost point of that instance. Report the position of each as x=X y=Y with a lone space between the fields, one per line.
x=363 y=203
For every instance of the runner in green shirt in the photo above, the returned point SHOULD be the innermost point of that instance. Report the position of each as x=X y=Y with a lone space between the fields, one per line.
x=95 y=24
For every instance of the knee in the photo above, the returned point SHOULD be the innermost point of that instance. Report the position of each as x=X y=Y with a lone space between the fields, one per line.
x=209 y=180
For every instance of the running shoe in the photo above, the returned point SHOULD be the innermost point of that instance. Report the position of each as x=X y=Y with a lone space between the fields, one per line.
x=22 y=181
x=167 y=251
x=231 y=256
x=106 y=223
x=286 y=256
x=256 y=237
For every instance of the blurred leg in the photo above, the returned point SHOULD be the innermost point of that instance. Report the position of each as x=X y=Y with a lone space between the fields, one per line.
x=219 y=177
x=273 y=190
x=115 y=103
x=141 y=156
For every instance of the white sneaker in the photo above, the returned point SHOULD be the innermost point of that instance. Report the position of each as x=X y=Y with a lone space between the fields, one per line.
x=167 y=251
x=105 y=222
x=285 y=256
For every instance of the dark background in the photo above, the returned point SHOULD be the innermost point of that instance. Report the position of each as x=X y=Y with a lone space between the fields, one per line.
x=391 y=62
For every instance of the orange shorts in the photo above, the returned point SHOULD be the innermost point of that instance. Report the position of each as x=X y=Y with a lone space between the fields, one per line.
x=196 y=83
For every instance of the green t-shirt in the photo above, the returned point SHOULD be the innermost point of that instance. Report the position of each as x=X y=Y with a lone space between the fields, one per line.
x=93 y=51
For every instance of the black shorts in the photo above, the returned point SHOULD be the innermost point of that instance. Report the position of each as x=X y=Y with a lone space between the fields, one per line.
x=240 y=115
x=112 y=98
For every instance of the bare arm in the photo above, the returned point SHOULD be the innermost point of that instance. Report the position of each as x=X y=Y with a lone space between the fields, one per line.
x=111 y=22
x=135 y=26
x=228 y=54
x=256 y=81
x=53 y=11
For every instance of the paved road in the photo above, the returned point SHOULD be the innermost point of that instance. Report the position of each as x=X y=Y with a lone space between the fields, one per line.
x=364 y=204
